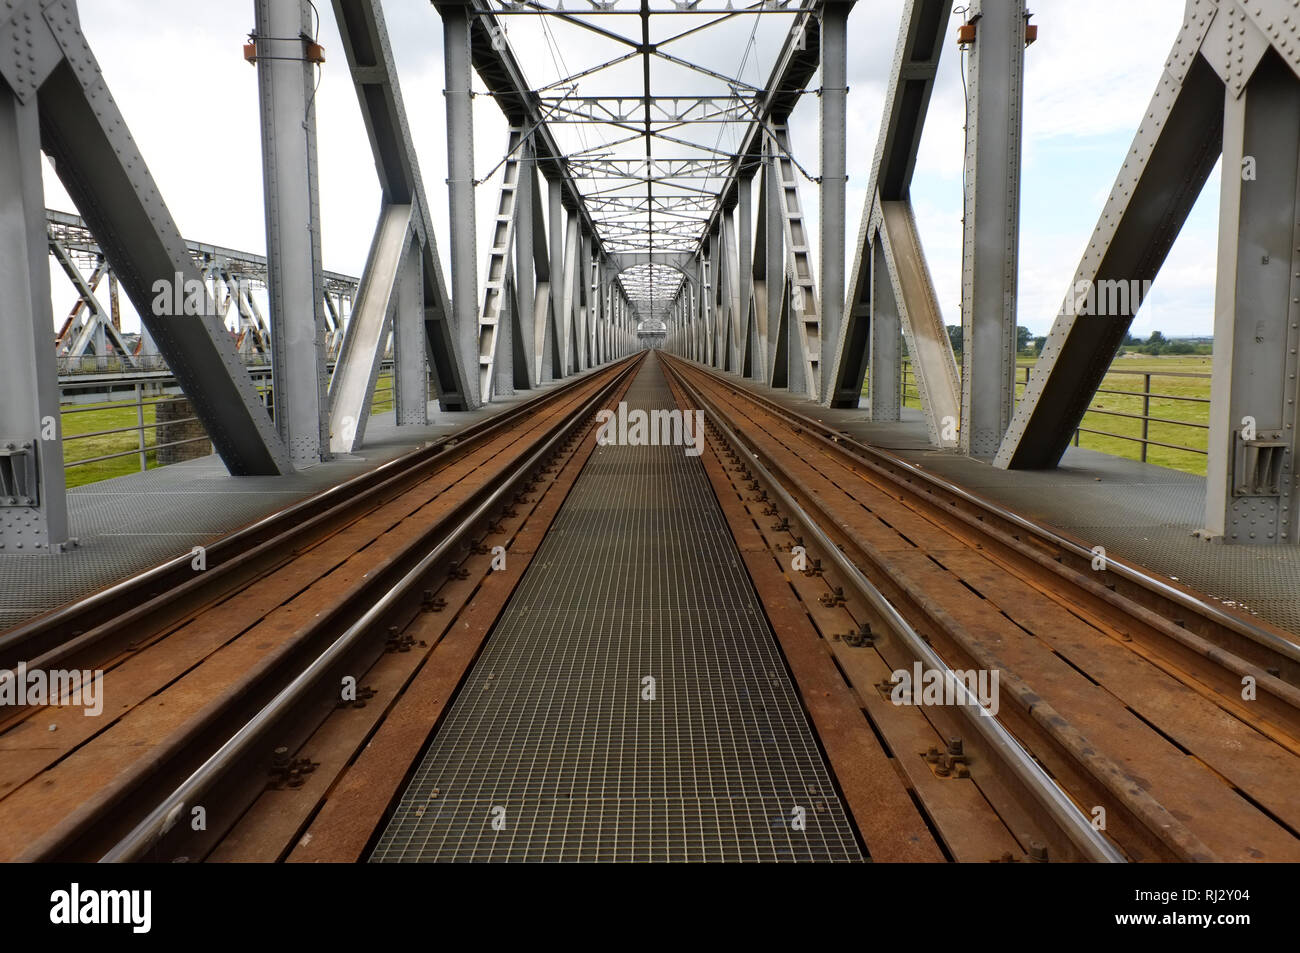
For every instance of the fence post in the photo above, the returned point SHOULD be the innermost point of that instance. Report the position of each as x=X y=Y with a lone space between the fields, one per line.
x=1146 y=413
x=139 y=419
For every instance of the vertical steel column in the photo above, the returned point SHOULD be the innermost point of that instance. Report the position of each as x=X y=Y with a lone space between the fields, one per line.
x=1252 y=496
x=569 y=303
x=33 y=507
x=410 y=358
x=593 y=301
x=736 y=312
x=503 y=368
x=748 y=317
x=774 y=266
x=286 y=82
x=555 y=331
x=697 y=315
x=992 y=220
x=460 y=184
x=581 y=306
x=834 y=119
x=620 y=336
x=525 y=270
x=700 y=309
x=609 y=315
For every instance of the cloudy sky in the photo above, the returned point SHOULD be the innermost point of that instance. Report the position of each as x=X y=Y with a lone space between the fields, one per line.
x=191 y=102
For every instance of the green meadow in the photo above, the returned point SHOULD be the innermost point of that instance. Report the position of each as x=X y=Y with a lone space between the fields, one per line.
x=81 y=419
x=1120 y=394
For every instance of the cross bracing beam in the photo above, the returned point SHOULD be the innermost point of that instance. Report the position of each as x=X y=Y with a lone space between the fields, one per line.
x=677 y=110
x=909 y=301
x=654 y=168
x=1174 y=151
x=804 y=312
x=89 y=326
x=795 y=67
x=922 y=32
x=374 y=76
x=509 y=8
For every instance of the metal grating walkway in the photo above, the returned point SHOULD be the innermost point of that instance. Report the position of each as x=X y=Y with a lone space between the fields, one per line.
x=550 y=736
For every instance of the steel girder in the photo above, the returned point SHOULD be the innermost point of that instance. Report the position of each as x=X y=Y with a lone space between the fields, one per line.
x=532 y=275
x=102 y=170
x=353 y=384
x=832 y=185
x=457 y=58
x=1253 y=482
x=770 y=257
x=914 y=302
x=570 y=299
x=751 y=348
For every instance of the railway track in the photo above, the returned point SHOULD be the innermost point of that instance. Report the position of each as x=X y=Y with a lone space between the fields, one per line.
x=1166 y=722
x=307 y=628
x=271 y=705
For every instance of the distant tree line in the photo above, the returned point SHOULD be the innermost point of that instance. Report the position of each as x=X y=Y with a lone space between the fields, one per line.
x=1157 y=343
x=1027 y=345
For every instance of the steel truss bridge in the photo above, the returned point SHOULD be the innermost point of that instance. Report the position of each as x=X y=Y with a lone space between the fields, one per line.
x=772 y=617
x=658 y=227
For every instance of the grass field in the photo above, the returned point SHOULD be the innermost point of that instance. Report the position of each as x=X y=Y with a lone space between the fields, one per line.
x=1127 y=374
x=113 y=416
x=1164 y=380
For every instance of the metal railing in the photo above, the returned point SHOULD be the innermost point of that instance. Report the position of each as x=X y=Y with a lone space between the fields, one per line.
x=140 y=363
x=911 y=398
x=156 y=391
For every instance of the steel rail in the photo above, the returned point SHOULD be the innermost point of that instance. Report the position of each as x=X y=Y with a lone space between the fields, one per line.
x=48 y=637
x=1050 y=796
x=1136 y=574
x=244 y=742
